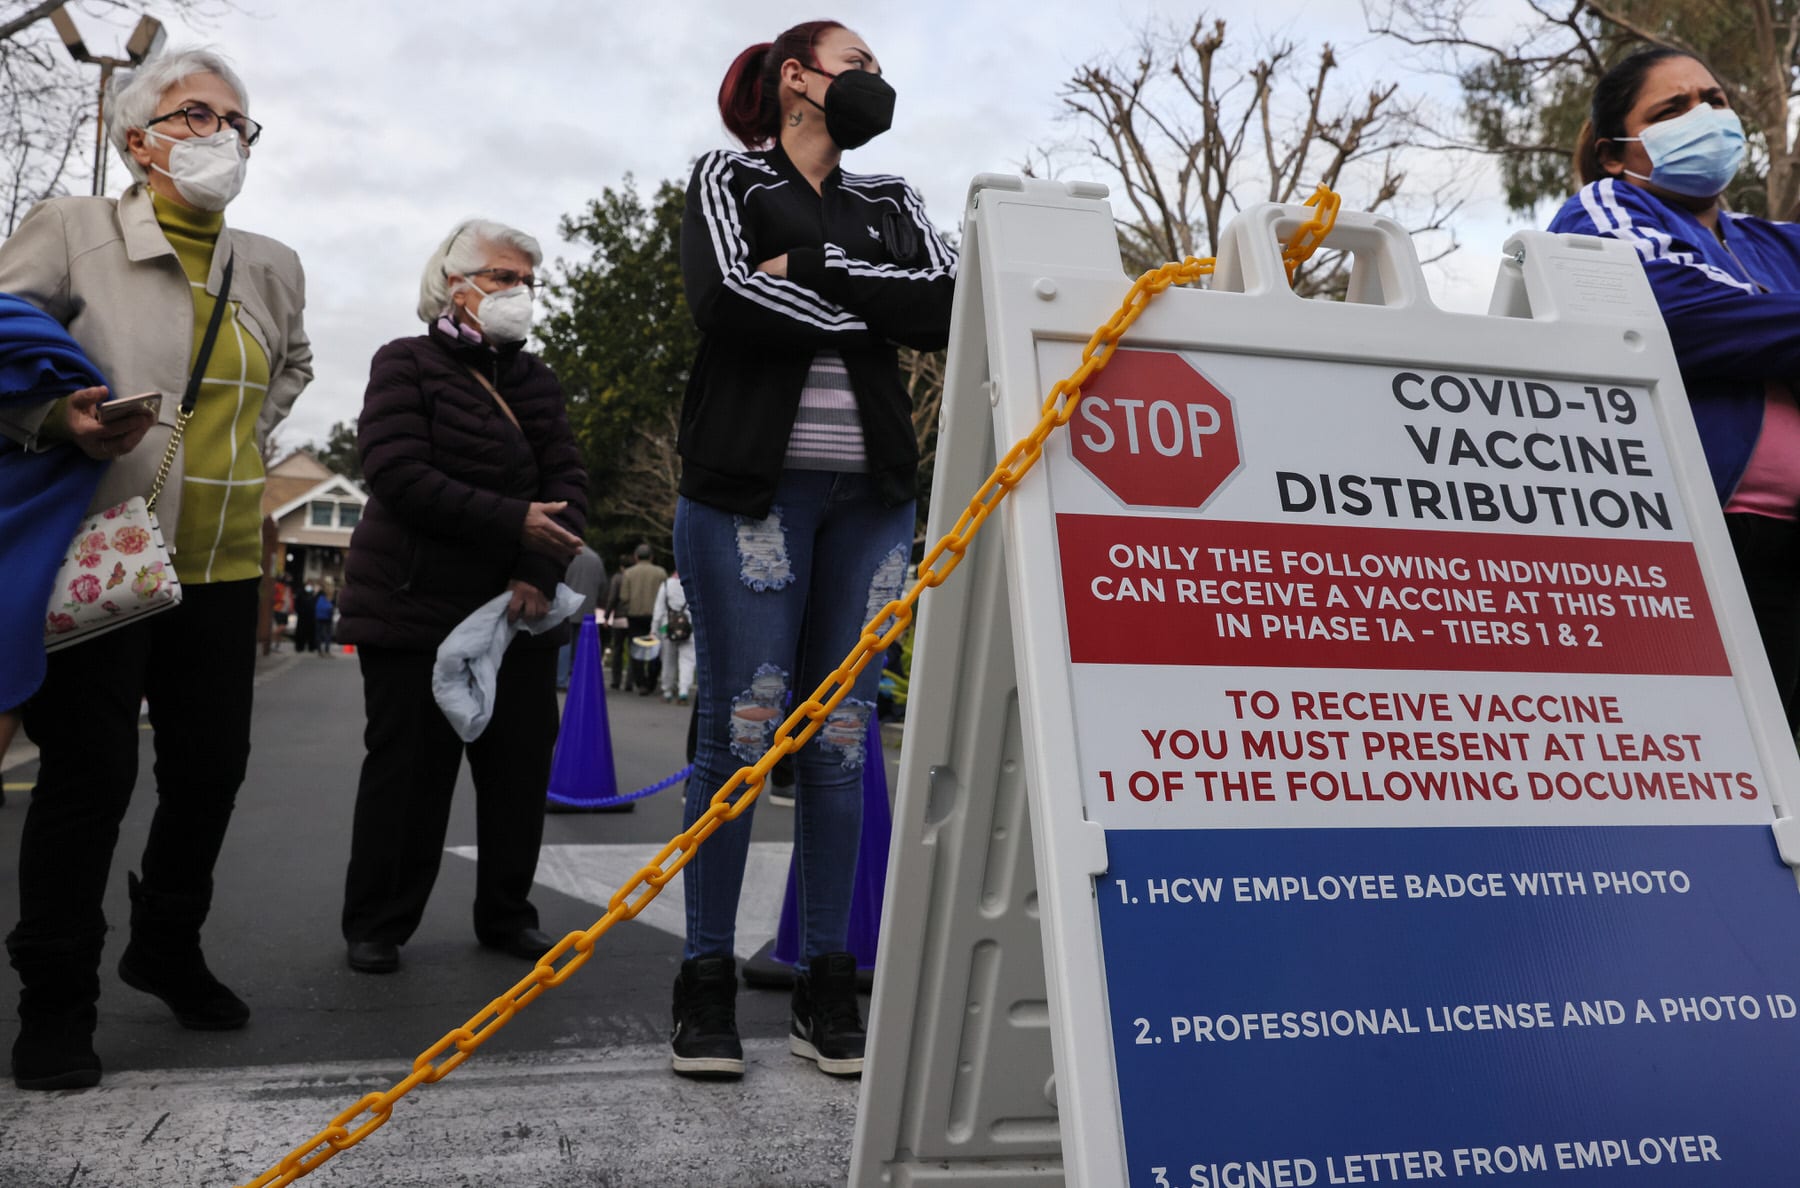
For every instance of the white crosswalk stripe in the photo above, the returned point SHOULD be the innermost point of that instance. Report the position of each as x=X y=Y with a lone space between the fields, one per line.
x=592 y=873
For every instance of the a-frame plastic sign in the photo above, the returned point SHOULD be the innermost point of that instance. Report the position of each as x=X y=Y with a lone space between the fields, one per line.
x=1403 y=779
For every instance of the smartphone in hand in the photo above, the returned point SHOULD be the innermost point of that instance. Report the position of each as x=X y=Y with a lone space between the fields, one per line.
x=124 y=406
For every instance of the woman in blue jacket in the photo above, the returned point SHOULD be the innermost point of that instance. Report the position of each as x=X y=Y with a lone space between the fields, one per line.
x=1660 y=146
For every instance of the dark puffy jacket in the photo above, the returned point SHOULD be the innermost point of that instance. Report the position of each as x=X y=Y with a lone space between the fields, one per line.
x=450 y=480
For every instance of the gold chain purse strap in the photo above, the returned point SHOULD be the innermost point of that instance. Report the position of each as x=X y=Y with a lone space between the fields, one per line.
x=192 y=395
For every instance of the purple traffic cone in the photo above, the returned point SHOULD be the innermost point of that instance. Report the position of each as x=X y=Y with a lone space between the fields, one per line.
x=581 y=770
x=773 y=966
x=784 y=950
x=871 y=853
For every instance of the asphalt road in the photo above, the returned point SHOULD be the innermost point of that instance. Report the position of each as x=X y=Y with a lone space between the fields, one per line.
x=575 y=1091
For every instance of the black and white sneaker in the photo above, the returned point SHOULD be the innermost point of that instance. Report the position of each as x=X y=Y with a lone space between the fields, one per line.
x=827 y=1026
x=704 y=1041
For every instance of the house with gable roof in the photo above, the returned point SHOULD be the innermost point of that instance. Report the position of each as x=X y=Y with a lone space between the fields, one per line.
x=313 y=509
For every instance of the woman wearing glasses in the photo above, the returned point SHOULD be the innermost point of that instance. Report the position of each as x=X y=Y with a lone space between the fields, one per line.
x=476 y=488
x=136 y=280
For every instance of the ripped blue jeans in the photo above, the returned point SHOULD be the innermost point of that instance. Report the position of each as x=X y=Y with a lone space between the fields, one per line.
x=776 y=604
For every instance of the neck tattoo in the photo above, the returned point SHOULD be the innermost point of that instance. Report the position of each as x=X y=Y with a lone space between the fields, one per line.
x=794 y=120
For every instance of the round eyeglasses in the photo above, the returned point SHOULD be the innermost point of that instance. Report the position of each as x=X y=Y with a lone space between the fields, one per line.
x=204 y=121
x=506 y=278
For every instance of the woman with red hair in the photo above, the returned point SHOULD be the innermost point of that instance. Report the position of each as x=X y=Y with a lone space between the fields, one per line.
x=795 y=522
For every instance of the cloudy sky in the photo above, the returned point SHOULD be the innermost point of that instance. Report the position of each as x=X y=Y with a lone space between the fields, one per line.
x=387 y=122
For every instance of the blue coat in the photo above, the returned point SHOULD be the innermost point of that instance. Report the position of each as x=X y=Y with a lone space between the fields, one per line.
x=42 y=495
x=1732 y=308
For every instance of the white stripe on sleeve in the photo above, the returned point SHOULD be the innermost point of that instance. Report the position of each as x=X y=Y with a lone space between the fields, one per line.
x=1601 y=201
x=782 y=296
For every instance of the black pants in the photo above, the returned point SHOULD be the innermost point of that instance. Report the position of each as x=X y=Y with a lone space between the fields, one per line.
x=620 y=638
x=196 y=665
x=409 y=776
x=1768 y=555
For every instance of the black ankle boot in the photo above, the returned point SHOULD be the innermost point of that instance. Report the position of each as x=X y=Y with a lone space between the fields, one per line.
x=55 y=1054
x=59 y=986
x=164 y=959
x=826 y=1025
x=703 y=1042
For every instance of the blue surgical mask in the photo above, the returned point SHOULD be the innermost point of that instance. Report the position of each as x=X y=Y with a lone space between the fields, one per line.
x=1696 y=154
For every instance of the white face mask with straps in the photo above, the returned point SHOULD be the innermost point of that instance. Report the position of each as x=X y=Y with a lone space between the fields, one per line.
x=208 y=171
x=505 y=314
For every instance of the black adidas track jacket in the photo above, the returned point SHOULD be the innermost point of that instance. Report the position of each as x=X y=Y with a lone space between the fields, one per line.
x=866 y=270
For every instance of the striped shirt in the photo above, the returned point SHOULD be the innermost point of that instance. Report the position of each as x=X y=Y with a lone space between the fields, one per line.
x=219 y=537
x=827 y=433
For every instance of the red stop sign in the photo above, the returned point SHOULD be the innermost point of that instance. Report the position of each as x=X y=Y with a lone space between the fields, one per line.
x=1155 y=432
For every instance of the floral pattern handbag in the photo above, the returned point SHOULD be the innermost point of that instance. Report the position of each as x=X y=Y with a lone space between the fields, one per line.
x=117 y=570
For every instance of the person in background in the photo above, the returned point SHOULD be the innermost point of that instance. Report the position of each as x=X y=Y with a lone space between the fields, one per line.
x=281 y=612
x=477 y=490
x=306 y=604
x=135 y=280
x=323 y=610
x=1654 y=159
x=586 y=575
x=618 y=635
x=671 y=623
x=795 y=517
x=637 y=602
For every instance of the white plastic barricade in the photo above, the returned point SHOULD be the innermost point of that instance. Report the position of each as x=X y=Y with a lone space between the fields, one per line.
x=1402 y=777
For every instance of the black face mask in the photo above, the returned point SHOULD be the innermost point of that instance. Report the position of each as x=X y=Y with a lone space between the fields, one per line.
x=858 y=107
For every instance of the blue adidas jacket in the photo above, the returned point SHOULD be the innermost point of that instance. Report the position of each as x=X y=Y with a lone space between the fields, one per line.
x=1732 y=308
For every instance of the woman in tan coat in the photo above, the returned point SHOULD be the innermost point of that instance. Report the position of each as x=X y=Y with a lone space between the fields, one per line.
x=134 y=281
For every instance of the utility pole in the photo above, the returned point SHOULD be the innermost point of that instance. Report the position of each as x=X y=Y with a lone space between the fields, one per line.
x=144 y=43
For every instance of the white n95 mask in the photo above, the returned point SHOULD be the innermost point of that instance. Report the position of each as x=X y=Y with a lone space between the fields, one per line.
x=208 y=171
x=505 y=314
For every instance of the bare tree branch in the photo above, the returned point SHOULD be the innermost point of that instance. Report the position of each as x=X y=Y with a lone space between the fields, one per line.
x=1189 y=130
x=1533 y=90
x=1616 y=16
x=26 y=19
x=48 y=100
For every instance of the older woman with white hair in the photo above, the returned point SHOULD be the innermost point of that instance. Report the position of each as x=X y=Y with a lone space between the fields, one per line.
x=136 y=281
x=476 y=488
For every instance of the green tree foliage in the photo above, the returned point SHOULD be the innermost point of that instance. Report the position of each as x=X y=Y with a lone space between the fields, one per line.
x=1526 y=93
x=619 y=336
x=339 y=451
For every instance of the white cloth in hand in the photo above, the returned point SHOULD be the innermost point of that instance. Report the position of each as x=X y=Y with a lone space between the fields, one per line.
x=468 y=661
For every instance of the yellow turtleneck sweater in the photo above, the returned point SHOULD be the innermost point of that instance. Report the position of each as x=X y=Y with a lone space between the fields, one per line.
x=219 y=538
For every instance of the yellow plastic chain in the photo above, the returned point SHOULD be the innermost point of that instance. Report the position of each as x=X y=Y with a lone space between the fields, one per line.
x=438 y=1061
